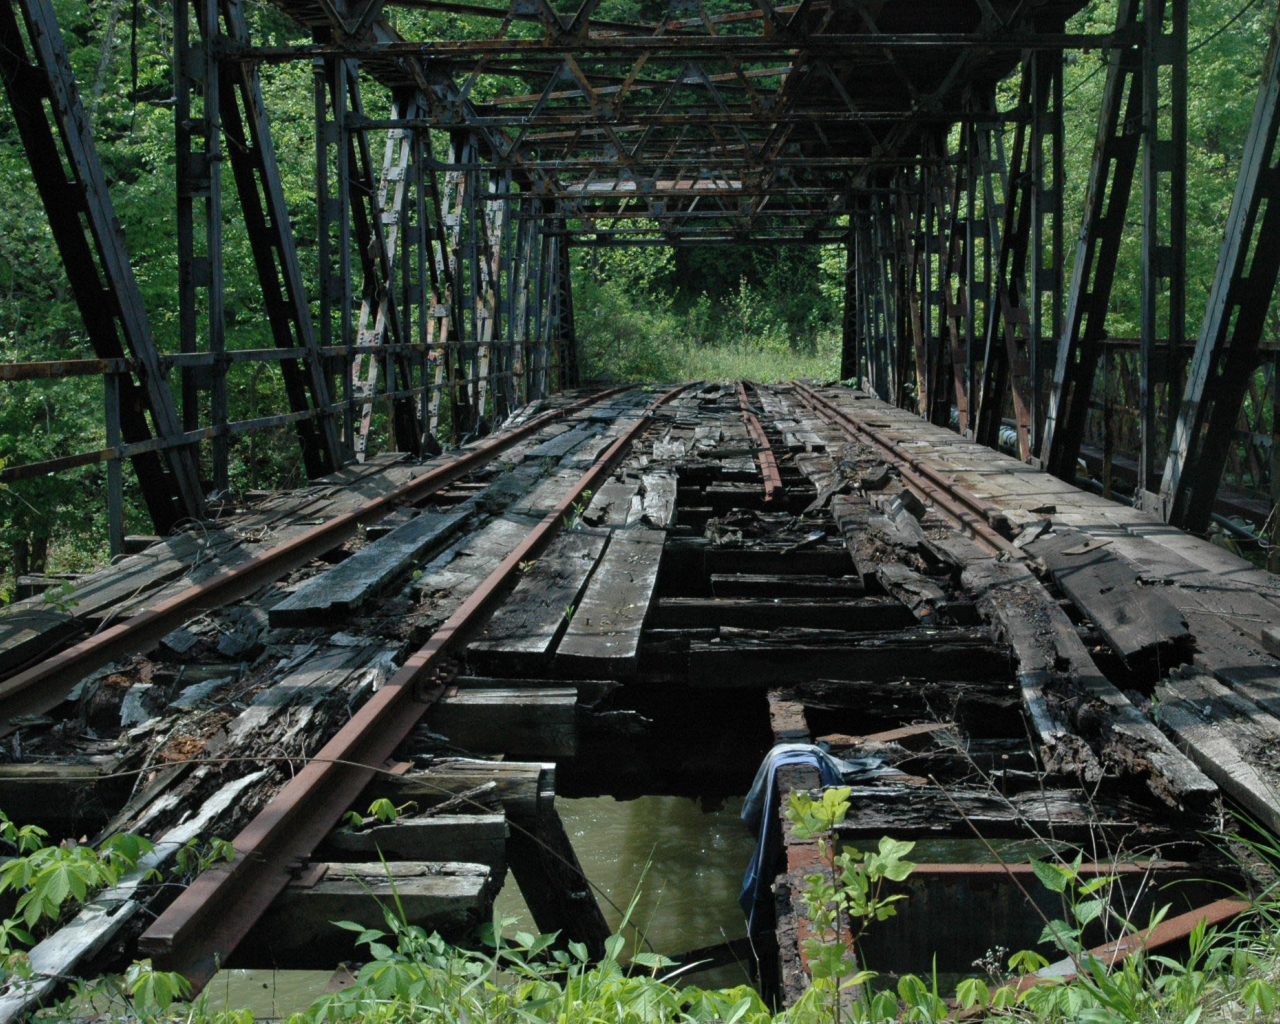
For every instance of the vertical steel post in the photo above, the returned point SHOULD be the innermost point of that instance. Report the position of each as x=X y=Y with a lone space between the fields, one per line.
x=56 y=135
x=1240 y=296
x=115 y=466
x=1106 y=205
x=1046 y=275
x=1164 y=227
x=849 y=355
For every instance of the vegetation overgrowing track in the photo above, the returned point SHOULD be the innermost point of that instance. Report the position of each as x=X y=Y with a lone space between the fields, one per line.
x=41 y=687
x=218 y=909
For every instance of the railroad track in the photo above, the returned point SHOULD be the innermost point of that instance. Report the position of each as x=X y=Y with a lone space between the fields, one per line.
x=637 y=594
x=215 y=912
x=40 y=688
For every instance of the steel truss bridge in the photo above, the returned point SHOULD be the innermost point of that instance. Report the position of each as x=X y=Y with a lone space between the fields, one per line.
x=453 y=177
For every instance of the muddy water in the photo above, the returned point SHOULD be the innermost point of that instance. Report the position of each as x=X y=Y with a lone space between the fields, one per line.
x=686 y=863
x=683 y=864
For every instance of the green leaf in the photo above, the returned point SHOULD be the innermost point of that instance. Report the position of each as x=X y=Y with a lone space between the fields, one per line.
x=1088 y=911
x=973 y=992
x=654 y=961
x=1053 y=877
x=826 y=959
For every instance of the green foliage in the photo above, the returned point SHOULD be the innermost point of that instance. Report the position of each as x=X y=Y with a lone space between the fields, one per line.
x=47 y=877
x=154 y=991
x=843 y=900
x=61 y=596
x=573 y=518
x=632 y=325
x=195 y=857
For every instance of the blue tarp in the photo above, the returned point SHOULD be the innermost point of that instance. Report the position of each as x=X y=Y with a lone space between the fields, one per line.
x=760 y=811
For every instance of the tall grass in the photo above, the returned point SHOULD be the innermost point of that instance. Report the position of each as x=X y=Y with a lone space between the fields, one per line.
x=631 y=328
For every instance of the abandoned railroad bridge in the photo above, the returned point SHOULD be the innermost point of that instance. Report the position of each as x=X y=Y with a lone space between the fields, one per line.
x=471 y=625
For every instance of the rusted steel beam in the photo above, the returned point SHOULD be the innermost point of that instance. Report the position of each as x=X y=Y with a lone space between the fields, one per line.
x=207 y=920
x=764 y=452
x=626 y=120
x=59 y=368
x=32 y=470
x=251 y=153
x=43 y=686
x=55 y=132
x=677 y=47
x=1167 y=932
x=1235 y=319
x=1106 y=203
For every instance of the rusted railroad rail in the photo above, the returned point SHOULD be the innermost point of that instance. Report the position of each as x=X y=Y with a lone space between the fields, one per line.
x=658 y=636
x=769 y=475
x=40 y=688
x=973 y=515
x=211 y=916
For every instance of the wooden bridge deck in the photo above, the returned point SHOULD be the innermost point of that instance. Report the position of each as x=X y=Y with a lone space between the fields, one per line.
x=1024 y=654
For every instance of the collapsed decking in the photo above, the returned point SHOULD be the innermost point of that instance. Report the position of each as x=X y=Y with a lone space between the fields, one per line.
x=706 y=599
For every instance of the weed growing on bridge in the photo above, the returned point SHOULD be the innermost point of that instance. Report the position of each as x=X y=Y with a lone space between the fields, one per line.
x=843 y=901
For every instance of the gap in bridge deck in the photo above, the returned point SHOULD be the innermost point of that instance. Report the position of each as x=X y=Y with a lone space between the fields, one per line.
x=684 y=619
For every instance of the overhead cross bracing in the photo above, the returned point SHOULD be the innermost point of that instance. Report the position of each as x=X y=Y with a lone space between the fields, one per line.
x=755 y=123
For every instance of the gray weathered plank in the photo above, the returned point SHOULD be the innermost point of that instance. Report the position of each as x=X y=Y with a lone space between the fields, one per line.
x=1138 y=621
x=524 y=629
x=603 y=637
x=340 y=591
x=516 y=721
x=1232 y=741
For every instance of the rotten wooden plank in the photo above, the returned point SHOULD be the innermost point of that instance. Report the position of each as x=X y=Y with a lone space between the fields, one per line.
x=447 y=897
x=603 y=636
x=743 y=660
x=523 y=632
x=864 y=613
x=1231 y=740
x=515 y=721
x=340 y=591
x=1139 y=623
x=471 y=838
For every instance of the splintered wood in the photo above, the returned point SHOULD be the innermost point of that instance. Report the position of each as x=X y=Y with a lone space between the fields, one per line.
x=1088 y=674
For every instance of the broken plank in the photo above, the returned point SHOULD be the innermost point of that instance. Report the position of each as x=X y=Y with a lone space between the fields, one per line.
x=519 y=783
x=659 y=496
x=518 y=722
x=523 y=631
x=603 y=636
x=1235 y=661
x=695 y=556
x=786 y=586
x=743 y=661
x=615 y=504
x=1232 y=741
x=339 y=591
x=297 y=931
x=762 y=613
x=916 y=812
x=56 y=958
x=918 y=593
x=1139 y=623
x=471 y=838
x=1060 y=681
x=560 y=446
